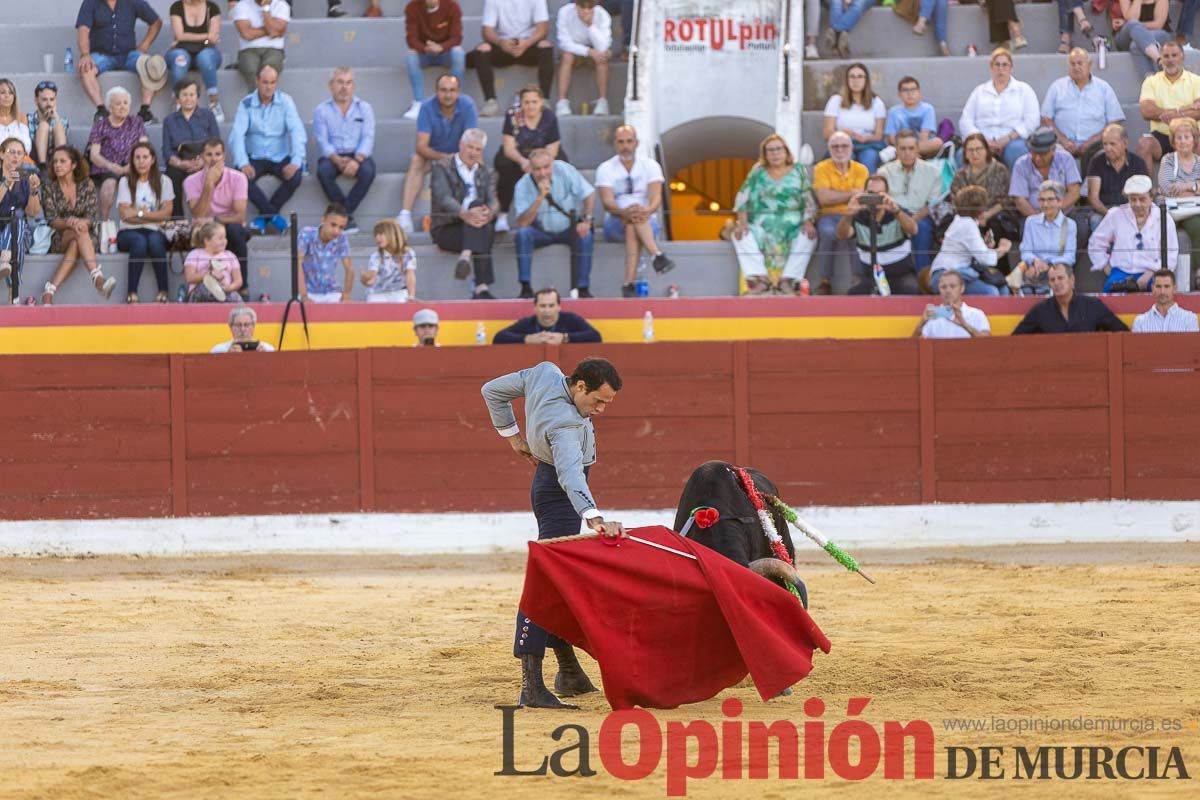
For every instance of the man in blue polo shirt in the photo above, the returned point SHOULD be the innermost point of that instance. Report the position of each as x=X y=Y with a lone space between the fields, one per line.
x=440 y=125
x=344 y=128
x=107 y=40
x=268 y=138
x=554 y=205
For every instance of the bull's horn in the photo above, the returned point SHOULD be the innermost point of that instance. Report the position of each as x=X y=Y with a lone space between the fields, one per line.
x=775 y=569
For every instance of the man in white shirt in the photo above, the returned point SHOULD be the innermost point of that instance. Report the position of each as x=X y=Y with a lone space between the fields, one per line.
x=242 y=320
x=514 y=32
x=261 y=32
x=1165 y=316
x=584 y=31
x=953 y=319
x=631 y=190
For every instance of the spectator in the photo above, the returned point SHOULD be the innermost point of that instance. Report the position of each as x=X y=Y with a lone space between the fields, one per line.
x=893 y=228
x=268 y=138
x=145 y=200
x=860 y=114
x=1004 y=109
x=11 y=124
x=953 y=319
x=625 y=9
x=1143 y=31
x=584 y=32
x=334 y=9
x=548 y=325
x=1165 y=316
x=916 y=186
x=196 y=26
x=218 y=194
x=1173 y=92
x=1068 y=312
x=1079 y=105
x=554 y=205
x=1187 y=21
x=18 y=192
x=1126 y=244
x=812 y=24
x=1004 y=27
x=211 y=272
x=261 y=26
x=321 y=248
x=630 y=187
x=1049 y=238
x=425 y=326
x=1108 y=171
x=109 y=144
x=964 y=249
x=514 y=32
x=531 y=126
x=47 y=128
x=373 y=10
x=835 y=181
x=242 y=321
x=775 y=235
x=107 y=40
x=69 y=203
x=981 y=169
x=843 y=16
x=344 y=128
x=1179 y=176
x=464 y=205
x=183 y=136
x=914 y=114
x=433 y=30
x=939 y=12
x=1070 y=13
x=440 y=126
x=391 y=274
x=1045 y=161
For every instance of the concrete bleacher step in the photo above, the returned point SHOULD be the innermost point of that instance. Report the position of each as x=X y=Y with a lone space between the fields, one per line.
x=387 y=89
x=65 y=10
x=705 y=269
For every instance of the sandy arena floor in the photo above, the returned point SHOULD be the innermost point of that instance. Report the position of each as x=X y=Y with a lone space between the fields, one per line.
x=305 y=676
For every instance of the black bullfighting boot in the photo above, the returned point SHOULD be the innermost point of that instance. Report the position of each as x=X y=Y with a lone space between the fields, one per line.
x=571 y=680
x=534 y=693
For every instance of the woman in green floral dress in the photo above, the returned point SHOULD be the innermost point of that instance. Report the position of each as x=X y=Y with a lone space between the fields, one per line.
x=774 y=236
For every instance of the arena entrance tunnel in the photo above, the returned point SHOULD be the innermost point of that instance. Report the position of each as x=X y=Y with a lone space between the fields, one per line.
x=705 y=162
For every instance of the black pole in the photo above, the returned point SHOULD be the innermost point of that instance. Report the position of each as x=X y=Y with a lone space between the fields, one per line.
x=1162 y=233
x=295 y=298
x=18 y=254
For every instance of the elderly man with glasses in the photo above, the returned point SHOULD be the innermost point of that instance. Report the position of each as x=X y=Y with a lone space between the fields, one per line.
x=1126 y=244
x=835 y=181
x=242 y=320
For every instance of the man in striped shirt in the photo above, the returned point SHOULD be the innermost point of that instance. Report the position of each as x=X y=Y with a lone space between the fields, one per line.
x=1165 y=316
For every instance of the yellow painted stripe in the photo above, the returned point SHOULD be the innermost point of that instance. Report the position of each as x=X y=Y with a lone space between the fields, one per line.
x=199 y=338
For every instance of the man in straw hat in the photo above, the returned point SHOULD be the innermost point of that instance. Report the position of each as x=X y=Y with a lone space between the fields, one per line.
x=107 y=40
x=562 y=446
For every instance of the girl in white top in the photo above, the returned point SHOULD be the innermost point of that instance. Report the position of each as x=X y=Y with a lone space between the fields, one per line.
x=963 y=245
x=1004 y=109
x=391 y=275
x=12 y=125
x=859 y=112
x=142 y=209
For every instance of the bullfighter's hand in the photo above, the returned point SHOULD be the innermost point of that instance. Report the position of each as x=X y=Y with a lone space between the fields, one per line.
x=610 y=530
x=521 y=446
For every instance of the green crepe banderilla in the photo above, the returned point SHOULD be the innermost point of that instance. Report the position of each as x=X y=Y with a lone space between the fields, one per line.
x=839 y=555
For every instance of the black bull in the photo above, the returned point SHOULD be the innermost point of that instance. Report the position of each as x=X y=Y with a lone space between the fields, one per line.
x=738 y=534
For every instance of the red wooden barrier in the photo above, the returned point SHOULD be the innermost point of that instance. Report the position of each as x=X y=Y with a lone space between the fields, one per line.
x=833 y=422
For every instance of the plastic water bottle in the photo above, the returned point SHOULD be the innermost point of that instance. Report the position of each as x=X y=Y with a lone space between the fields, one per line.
x=1101 y=52
x=673 y=291
x=480 y=334
x=804 y=287
x=881 y=282
x=642 y=281
x=648 y=327
x=68 y=61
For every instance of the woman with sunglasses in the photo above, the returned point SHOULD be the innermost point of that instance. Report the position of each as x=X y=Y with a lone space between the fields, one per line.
x=11 y=123
x=70 y=201
x=17 y=193
x=145 y=200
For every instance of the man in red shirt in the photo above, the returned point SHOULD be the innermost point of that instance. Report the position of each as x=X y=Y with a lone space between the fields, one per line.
x=434 y=34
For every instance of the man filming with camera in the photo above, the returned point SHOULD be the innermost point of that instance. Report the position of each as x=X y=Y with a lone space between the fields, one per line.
x=242 y=321
x=887 y=246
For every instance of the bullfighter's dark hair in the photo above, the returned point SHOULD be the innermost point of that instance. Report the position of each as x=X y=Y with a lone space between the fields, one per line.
x=595 y=372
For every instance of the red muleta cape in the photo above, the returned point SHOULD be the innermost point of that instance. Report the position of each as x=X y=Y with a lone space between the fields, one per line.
x=665 y=629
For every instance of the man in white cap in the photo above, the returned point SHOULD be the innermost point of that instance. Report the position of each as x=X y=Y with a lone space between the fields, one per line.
x=425 y=326
x=1127 y=242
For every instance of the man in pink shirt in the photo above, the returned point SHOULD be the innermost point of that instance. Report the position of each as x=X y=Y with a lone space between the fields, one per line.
x=220 y=193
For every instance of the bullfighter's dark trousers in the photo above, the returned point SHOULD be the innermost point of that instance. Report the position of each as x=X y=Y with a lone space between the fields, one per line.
x=555 y=517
